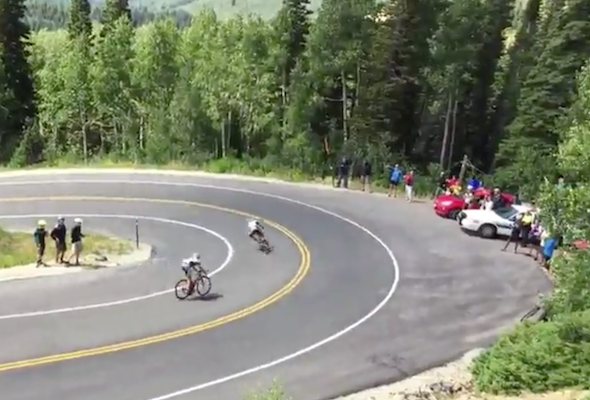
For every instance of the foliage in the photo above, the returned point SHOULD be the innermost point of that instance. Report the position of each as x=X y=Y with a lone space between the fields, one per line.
x=538 y=357
x=556 y=354
x=274 y=392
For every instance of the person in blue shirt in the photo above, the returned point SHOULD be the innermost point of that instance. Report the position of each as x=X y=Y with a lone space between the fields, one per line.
x=473 y=183
x=395 y=178
x=548 y=248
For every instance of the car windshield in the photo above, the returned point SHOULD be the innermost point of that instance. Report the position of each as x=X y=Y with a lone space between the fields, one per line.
x=506 y=212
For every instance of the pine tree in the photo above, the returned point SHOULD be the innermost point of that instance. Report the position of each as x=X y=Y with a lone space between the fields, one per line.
x=80 y=24
x=113 y=10
x=291 y=27
x=19 y=92
x=526 y=155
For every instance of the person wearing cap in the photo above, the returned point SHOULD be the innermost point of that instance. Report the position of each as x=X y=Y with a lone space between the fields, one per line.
x=76 y=236
x=58 y=234
x=40 y=235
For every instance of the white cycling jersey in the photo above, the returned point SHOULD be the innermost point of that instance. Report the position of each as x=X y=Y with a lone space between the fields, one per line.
x=254 y=226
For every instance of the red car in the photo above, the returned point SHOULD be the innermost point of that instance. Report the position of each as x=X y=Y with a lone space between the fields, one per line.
x=449 y=206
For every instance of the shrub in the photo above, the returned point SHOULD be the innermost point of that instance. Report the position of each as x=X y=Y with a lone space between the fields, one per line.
x=538 y=357
x=274 y=392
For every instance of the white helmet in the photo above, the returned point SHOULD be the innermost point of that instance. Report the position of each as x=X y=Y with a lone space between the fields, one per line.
x=196 y=258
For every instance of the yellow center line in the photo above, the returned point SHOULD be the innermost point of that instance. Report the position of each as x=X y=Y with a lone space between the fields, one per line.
x=302 y=271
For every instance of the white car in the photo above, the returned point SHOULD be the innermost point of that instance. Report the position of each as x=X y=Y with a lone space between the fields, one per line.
x=491 y=223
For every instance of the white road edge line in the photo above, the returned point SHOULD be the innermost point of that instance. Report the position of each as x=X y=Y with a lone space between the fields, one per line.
x=286 y=358
x=229 y=257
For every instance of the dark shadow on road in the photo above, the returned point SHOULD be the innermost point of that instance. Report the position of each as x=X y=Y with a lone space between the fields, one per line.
x=209 y=297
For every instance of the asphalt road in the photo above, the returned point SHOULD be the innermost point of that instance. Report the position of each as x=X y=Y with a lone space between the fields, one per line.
x=454 y=292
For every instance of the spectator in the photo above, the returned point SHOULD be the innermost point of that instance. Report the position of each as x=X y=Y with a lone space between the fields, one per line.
x=548 y=245
x=343 y=169
x=487 y=203
x=441 y=185
x=452 y=181
x=58 y=234
x=498 y=199
x=473 y=183
x=366 y=174
x=514 y=234
x=395 y=177
x=516 y=200
x=40 y=235
x=526 y=225
x=76 y=236
x=409 y=185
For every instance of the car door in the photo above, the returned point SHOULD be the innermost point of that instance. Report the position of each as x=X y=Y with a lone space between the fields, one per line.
x=505 y=225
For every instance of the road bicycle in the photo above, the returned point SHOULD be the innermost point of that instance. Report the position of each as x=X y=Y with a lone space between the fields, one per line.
x=187 y=286
x=264 y=246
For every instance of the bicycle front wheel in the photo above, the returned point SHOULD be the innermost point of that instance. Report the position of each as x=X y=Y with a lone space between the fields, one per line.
x=203 y=285
x=182 y=289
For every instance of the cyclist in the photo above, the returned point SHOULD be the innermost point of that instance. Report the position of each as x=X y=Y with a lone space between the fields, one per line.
x=255 y=230
x=192 y=263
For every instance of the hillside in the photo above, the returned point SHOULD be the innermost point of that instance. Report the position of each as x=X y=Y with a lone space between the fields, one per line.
x=224 y=8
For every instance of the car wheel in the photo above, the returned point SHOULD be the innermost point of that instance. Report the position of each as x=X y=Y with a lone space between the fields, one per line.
x=487 y=231
x=454 y=214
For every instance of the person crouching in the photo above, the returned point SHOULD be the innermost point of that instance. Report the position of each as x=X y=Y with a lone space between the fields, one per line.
x=76 y=236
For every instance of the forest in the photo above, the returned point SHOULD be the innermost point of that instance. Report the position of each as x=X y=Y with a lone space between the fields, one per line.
x=421 y=83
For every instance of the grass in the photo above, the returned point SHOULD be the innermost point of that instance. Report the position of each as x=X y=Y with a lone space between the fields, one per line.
x=18 y=248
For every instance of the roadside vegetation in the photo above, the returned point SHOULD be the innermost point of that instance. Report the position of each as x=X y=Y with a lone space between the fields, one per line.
x=18 y=248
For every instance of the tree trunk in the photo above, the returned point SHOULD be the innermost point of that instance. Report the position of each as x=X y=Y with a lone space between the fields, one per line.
x=453 y=131
x=443 y=149
x=344 y=107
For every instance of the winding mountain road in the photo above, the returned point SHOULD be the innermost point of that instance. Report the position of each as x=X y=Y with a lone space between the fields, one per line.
x=360 y=290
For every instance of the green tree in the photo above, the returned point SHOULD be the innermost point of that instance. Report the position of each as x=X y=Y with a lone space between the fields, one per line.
x=112 y=90
x=79 y=24
x=527 y=154
x=14 y=37
x=291 y=28
x=112 y=12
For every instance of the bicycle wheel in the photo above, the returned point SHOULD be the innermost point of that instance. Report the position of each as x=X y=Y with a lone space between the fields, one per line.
x=182 y=289
x=203 y=285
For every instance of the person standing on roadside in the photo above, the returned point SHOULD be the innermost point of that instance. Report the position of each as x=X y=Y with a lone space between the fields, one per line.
x=343 y=169
x=395 y=178
x=409 y=185
x=58 y=234
x=366 y=174
x=76 y=236
x=40 y=235
x=515 y=233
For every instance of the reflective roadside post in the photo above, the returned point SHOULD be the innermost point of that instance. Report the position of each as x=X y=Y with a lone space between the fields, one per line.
x=137 y=233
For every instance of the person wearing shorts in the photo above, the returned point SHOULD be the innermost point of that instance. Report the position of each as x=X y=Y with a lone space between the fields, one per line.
x=58 y=234
x=76 y=236
x=395 y=177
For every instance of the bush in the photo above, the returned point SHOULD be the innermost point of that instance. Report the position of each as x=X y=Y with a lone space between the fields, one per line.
x=571 y=274
x=540 y=357
x=274 y=392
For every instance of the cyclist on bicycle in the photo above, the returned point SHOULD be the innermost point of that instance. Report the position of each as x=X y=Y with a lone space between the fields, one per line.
x=255 y=230
x=192 y=263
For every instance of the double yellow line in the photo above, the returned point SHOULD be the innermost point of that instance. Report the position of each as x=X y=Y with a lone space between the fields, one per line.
x=302 y=271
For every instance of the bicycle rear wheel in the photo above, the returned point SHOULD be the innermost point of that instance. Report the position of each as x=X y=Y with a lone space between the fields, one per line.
x=182 y=289
x=203 y=285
